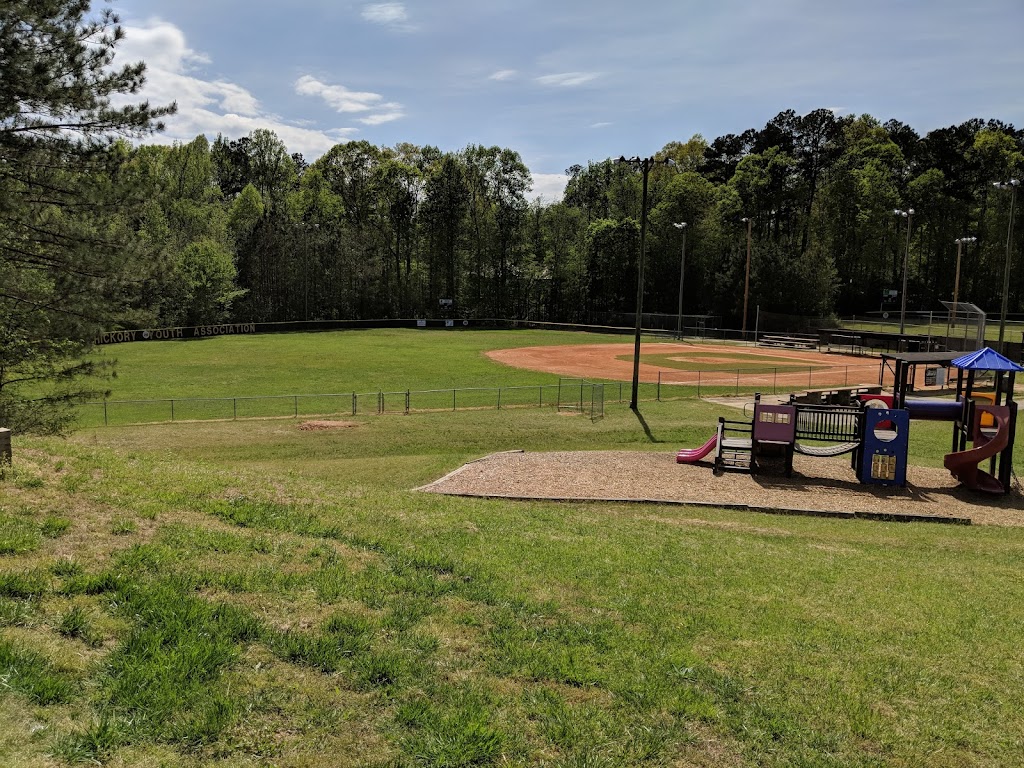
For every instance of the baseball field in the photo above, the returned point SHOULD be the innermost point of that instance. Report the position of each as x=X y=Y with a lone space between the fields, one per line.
x=252 y=593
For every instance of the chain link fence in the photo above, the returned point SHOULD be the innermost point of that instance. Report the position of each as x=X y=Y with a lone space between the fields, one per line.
x=569 y=394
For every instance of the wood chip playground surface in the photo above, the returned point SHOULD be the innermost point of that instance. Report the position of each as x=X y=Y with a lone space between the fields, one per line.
x=825 y=487
x=819 y=486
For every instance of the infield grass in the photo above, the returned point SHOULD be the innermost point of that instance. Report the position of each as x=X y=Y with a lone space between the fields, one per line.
x=748 y=361
x=249 y=594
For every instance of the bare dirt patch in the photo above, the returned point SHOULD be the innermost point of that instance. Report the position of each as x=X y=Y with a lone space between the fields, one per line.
x=817 y=485
x=314 y=426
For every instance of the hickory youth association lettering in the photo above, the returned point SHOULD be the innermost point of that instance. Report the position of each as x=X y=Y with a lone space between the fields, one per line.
x=157 y=334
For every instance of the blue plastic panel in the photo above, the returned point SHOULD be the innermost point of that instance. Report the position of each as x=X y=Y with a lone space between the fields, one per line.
x=884 y=458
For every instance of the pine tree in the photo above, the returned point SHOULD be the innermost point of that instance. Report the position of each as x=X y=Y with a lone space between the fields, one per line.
x=68 y=265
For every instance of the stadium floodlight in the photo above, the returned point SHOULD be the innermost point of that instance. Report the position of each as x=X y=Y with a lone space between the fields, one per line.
x=746 y=280
x=681 y=226
x=1011 y=185
x=960 y=242
x=909 y=216
x=644 y=165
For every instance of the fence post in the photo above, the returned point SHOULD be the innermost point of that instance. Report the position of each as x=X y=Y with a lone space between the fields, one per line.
x=172 y=410
x=809 y=370
x=296 y=406
x=380 y=402
x=408 y=398
x=581 y=395
x=499 y=398
x=105 y=412
x=540 y=396
x=234 y=408
x=453 y=399
x=698 y=384
x=658 y=396
x=355 y=403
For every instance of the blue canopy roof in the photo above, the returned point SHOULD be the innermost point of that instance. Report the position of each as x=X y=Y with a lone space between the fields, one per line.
x=986 y=359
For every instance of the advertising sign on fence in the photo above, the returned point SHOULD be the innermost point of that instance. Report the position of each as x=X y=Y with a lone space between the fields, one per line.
x=160 y=334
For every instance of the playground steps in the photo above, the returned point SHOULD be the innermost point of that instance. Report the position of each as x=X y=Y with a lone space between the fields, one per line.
x=735 y=447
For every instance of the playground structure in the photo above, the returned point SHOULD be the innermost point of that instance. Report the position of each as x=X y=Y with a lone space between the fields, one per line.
x=875 y=429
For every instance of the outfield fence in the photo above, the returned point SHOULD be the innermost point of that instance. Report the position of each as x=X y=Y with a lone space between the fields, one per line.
x=578 y=395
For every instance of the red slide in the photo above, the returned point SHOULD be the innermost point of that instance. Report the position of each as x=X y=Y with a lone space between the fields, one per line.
x=963 y=465
x=693 y=455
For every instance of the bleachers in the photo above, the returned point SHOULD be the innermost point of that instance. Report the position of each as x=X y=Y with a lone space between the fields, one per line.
x=788 y=341
x=835 y=395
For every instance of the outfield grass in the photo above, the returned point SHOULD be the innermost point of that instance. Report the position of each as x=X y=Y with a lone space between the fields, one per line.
x=330 y=373
x=245 y=593
x=326 y=362
x=1013 y=331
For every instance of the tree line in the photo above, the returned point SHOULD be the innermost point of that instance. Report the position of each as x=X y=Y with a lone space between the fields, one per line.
x=247 y=231
x=99 y=231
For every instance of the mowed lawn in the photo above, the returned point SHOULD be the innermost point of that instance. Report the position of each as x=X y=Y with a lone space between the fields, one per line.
x=251 y=594
x=327 y=362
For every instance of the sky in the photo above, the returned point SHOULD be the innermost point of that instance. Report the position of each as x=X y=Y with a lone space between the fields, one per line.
x=563 y=82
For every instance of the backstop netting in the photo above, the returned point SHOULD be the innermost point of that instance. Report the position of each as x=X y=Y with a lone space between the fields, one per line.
x=965 y=327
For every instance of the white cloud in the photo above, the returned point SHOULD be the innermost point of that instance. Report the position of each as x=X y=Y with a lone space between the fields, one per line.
x=342 y=100
x=311 y=143
x=567 y=79
x=338 y=97
x=162 y=45
x=549 y=187
x=207 y=106
x=503 y=74
x=234 y=98
x=385 y=13
x=600 y=125
x=392 y=112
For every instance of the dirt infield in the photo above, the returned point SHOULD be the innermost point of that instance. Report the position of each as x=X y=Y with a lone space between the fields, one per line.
x=775 y=367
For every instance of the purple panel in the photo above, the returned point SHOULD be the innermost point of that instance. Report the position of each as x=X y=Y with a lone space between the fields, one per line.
x=775 y=422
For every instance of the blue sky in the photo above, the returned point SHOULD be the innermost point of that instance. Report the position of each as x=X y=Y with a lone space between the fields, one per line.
x=567 y=81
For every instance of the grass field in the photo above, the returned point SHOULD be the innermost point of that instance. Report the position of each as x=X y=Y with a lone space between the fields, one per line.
x=248 y=594
x=328 y=362
x=914 y=326
x=318 y=374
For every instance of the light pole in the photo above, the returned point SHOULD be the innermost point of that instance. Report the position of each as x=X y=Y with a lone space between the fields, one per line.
x=682 y=270
x=746 y=280
x=1011 y=185
x=644 y=165
x=960 y=241
x=909 y=216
